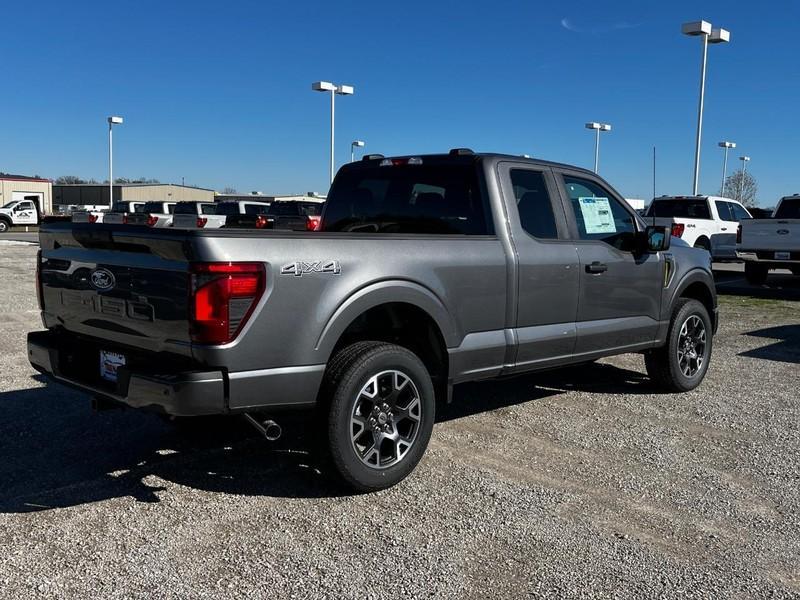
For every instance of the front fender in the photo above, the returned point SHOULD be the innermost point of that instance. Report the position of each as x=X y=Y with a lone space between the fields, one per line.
x=386 y=292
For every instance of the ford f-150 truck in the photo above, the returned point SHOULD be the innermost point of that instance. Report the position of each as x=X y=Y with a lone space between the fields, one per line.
x=774 y=243
x=428 y=271
x=707 y=222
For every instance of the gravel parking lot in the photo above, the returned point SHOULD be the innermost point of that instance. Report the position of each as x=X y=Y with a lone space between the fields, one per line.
x=585 y=482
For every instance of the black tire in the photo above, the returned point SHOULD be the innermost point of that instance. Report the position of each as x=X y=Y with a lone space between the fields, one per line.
x=755 y=274
x=356 y=371
x=4 y=226
x=666 y=366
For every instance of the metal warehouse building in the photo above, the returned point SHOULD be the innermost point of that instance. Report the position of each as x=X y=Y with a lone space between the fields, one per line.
x=97 y=193
x=20 y=187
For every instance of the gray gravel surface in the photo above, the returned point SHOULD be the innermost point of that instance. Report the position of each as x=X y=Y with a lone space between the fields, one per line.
x=586 y=482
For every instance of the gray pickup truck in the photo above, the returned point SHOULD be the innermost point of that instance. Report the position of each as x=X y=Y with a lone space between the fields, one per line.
x=428 y=271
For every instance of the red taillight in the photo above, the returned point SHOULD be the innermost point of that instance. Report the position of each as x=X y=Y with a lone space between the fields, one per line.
x=124 y=219
x=39 y=295
x=152 y=220
x=313 y=223
x=92 y=218
x=223 y=296
x=739 y=234
x=677 y=229
x=263 y=222
x=201 y=222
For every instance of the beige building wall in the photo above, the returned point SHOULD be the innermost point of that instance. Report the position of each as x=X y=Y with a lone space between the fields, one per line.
x=164 y=193
x=8 y=187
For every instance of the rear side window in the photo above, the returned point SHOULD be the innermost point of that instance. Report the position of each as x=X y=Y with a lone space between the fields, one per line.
x=208 y=209
x=153 y=207
x=426 y=198
x=534 y=204
x=688 y=209
x=789 y=209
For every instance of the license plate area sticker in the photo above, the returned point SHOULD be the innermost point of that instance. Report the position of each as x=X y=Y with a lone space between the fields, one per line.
x=109 y=363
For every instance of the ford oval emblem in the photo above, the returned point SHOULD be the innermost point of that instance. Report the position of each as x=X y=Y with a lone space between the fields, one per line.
x=783 y=232
x=102 y=279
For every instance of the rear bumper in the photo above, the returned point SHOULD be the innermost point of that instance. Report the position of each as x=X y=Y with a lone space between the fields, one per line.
x=183 y=392
x=767 y=257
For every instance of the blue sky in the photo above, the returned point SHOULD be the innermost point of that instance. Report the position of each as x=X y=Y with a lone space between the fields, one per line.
x=219 y=92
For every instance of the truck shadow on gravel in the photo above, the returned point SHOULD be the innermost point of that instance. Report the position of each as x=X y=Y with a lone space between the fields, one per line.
x=785 y=349
x=55 y=452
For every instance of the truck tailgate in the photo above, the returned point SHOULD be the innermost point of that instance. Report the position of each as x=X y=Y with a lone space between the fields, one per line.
x=126 y=286
x=771 y=234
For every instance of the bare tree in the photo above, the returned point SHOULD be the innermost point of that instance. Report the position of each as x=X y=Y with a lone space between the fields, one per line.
x=741 y=186
x=229 y=190
x=69 y=179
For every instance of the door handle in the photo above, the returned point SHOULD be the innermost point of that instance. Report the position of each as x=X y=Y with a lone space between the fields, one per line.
x=596 y=267
x=724 y=229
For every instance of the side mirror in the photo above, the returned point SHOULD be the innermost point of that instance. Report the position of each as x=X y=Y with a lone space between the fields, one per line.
x=656 y=238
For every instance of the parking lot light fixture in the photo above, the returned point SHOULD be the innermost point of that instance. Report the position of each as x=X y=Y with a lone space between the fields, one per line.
x=745 y=160
x=334 y=90
x=708 y=35
x=727 y=146
x=598 y=127
x=353 y=145
x=113 y=120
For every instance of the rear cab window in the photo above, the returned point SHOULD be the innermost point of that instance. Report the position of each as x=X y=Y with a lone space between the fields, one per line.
x=788 y=209
x=439 y=196
x=687 y=208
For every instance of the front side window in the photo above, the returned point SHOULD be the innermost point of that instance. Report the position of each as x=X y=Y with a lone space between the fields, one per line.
x=24 y=206
x=534 y=204
x=408 y=198
x=739 y=212
x=598 y=215
x=724 y=210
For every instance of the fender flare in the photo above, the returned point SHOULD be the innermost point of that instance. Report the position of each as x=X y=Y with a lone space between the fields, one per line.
x=386 y=292
x=696 y=275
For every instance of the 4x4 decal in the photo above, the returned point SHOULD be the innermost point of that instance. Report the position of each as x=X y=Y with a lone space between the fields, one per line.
x=300 y=268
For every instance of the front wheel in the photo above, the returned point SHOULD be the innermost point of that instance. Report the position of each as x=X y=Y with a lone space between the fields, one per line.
x=681 y=364
x=381 y=414
x=4 y=226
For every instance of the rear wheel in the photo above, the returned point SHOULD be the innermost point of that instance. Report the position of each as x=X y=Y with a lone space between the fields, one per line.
x=703 y=243
x=681 y=364
x=755 y=274
x=381 y=414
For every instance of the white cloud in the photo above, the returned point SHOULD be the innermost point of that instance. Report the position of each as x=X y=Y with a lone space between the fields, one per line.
x=569 y=25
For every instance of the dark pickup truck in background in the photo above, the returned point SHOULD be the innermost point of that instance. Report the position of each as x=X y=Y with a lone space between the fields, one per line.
x=428 y=271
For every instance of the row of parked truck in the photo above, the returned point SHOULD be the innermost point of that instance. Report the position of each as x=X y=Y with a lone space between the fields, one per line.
x=292 y=215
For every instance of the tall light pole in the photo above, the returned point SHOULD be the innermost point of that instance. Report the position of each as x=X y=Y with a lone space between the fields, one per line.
x=598 y=127
x=111 y=122
x=342 y=90
x=353 y=145
x=745 y=160
x=708 y=35
x=727 y=146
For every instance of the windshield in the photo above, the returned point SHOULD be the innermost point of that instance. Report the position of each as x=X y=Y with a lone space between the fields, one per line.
x=10 y=204
x=432 y=199
x=680 y=207
x=789 y=209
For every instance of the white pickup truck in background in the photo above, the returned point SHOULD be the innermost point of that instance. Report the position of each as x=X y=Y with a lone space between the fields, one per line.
x=708 y=222
x=197 y=215
x=18 y=212
x=153 y=214
x=118 y=215
x=774 y=243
